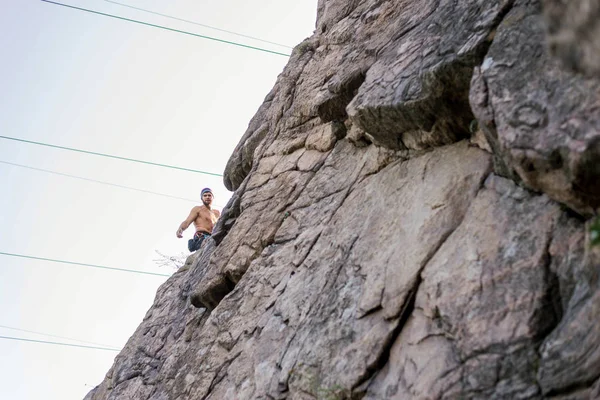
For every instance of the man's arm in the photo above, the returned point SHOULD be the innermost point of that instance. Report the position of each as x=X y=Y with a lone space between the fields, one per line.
x=217 y=213
x=184 y=225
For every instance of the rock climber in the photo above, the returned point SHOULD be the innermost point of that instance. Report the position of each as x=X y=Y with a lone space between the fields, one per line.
x=203 y=217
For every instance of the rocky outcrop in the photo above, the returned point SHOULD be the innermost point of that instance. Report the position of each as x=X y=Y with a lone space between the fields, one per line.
x=543 y=122
x=410 y=221
x=573 y=29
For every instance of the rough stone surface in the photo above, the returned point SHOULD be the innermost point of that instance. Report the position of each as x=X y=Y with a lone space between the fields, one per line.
x=414 y=95
x=541 y=120
x=475 y=327
x=574 y=33
x=410 y=221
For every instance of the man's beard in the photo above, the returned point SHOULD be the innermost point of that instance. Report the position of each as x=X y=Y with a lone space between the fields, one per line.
x=207 y=204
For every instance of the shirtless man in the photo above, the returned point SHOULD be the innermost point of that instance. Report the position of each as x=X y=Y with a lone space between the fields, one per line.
x=203 y=217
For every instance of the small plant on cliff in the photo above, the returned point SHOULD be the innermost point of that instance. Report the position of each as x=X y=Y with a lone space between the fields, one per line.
x=336 y=392
x=595 y=232
x=305 y=378
x=304 y=47
x=174 y=262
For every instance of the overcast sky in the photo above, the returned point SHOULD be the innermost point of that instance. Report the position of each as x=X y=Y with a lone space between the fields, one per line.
x=86 y=81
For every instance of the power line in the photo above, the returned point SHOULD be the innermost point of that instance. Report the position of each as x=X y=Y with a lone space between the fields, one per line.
x=96 y=181
x=56 y=336
x=58 y=343
x=170 y=29
x=103 y=183
x=199 y=24
x=109 y=155
x=82 y=264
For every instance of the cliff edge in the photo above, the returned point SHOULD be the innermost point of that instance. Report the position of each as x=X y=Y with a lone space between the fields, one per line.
x=411 y=219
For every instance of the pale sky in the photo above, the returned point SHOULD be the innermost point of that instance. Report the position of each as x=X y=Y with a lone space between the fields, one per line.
x=86 y=81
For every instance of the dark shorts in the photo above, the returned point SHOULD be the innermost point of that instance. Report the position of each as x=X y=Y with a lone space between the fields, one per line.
x=195 y=243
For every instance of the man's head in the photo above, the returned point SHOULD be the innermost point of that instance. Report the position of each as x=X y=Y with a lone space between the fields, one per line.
x=207 y=196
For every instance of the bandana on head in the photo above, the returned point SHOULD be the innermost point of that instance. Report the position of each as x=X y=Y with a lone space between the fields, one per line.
x=206 y=190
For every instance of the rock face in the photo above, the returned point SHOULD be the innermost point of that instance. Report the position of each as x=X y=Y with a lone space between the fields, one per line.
x=573 y=33
x=410 y=221
x=542 y=121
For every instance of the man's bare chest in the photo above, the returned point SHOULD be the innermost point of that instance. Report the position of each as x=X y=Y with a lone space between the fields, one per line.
x=207 y=215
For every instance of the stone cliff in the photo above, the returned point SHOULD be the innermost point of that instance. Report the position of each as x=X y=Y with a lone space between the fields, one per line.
x=410 y=219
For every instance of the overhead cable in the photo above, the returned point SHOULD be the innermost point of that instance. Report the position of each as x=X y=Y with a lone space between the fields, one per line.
x=109 y=155
x=96 y=181
x=170 y=29
x=104 y=183
x=82 y=264
x=199 y=24
x=59 y=343
x=56 y=336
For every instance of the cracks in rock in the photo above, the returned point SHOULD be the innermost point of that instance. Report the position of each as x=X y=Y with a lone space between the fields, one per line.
x=332 y=278
x=283 y=385
x=229 y=281
x=230 y=342
x=312 y=120
x=327 y=196
x=340 y=94
x=306 y=184
x=405 y=313
x=330 y=282
x=344 y=261
x=552 y=300
x=407 y=29
x=499 y=349
x=220 y=374
x=294 y=169
x=488 y=124
x=550 y=313
x=292 y=95
x=485 y=46
x=408 y=307
x=444 y=334
x=231 y=278
x=280 y=242
x=260 y=187
x=297 y=263
x=194 y=324
x=424 y=172
x=362 y=385
x=449 y=123
x=393 y=160
x=348 y=190
x=149 y=353
x=373 y=310
x=573 y=389
x=129 y=375
x=274 y=197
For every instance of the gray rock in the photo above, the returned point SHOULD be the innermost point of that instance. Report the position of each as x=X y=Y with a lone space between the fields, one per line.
x=368 y=250
x=543 y=122
x=576 y=341
x=573 y=29
x=475 y=327
x=416 y=94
